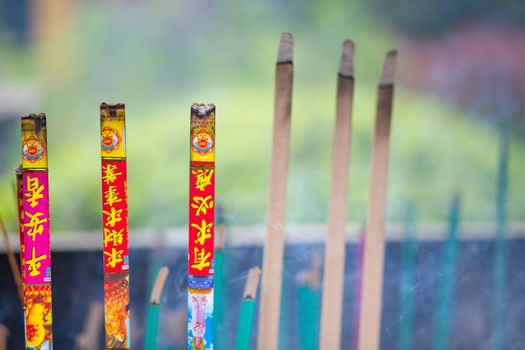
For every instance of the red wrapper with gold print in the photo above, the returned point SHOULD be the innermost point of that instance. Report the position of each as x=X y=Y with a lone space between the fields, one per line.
x=115 y=226
x=202 y=191
x=115 y=216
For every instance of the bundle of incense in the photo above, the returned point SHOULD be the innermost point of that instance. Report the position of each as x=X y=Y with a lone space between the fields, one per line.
x=37 y=253
x=201 y=227
x=219 y=300
x=115 y=226
x=500 y=258
x=446 y=292
x=244 y=328
x=274 y=245
x=152 y=321
x=408 y=271
x=372 y=289
x=334 y=266
x=4 y=333
x=310 y=304
x=17 y=277
x=89 y=338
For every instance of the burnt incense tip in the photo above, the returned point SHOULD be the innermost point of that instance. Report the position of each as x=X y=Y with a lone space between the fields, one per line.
x=159 y=285
x=285 y=54
x=112 y=109
x=346 y=68
x=387 y=77
x=250 y=289
x=202 y=110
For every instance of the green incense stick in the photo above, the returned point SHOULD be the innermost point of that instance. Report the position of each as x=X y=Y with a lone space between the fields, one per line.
x=219 y=296
x=310 y=304
x=244 y=328
x=152 y=321
x=446 y=292
x=500 y=260
x=408 y=272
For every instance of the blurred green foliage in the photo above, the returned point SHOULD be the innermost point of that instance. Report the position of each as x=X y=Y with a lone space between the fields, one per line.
x=160 y=57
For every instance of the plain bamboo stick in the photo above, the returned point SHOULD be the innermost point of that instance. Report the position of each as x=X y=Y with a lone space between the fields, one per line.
x=372 y=288
x=334 y=265
x=274 y=245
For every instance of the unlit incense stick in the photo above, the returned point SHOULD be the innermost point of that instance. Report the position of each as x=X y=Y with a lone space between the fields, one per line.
x=334 y=266
x=244 y=328
x=89 y=338
x=115 y=226
x=12 y=262
x=274 y=245
x=372 y=288
x=36 y=236
x=152 y=321
x=4 y=333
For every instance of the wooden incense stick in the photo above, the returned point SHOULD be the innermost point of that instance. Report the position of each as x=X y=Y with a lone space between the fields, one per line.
x=36 y=222
x=17 y=277
x=152 y=321
x=244 y=328
x=88 y=339
x=372 y=289
x=115 y=226
x=274 y=244
x=334 y=266
x=4 y=333
x=201 y=226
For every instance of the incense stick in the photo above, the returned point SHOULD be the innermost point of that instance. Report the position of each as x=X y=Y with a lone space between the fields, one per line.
x=310 y=304
x=17 y=276
x=219 y=299
x=152 y=321
x=408 y=261
x=201 y=227
x=372 y=289
x=500 y=258
x=4 y=333
x=36 y=222
x=115 y=226
x=274 y=245
x=244 y=328
x=89 y=338
x=334 y=266
x=446 y=293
